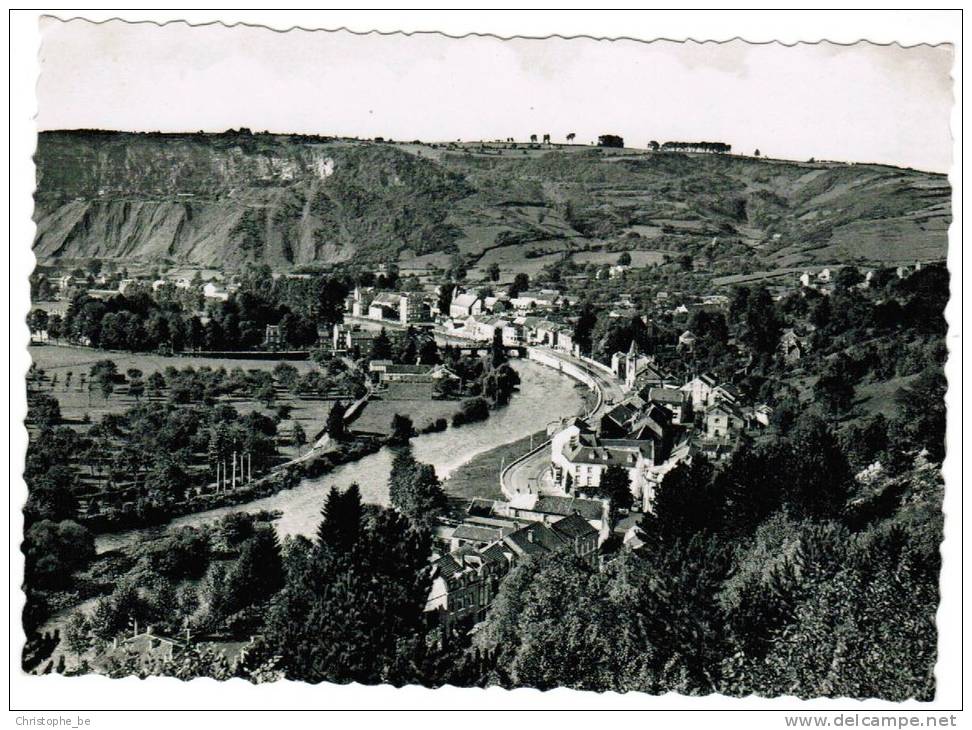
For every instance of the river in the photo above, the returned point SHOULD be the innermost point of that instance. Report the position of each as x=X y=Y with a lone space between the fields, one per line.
x=544 y=395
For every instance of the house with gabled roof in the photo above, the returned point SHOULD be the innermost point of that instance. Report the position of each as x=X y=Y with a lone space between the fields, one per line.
x=465 y=305
x=479 y=534
x=637 y=419
x=480 y=507
x=674 y=399
x=763 y=414
x=580 y=535
x=793 y=346
x=686 y=341
x=700 y=389
x=542 y=298
x=727 y=393
x=550 y=508
x=409 y=382
x=534 y=539
x=723 y=418
x=464 y=583
x=485 y=327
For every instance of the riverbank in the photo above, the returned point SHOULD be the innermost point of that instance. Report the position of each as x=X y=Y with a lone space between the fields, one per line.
x=544 y=395
x=478 y=478
x=284 y=477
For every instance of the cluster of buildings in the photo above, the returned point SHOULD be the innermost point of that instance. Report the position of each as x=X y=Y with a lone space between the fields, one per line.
x=823 y=280
x=522 y=320
x=422 y=307
x=494 y=536
x=357 y=339
x=657 y=426
x=399 y=307
x=521 y=330
x=660 y=424
x=467 y=304
x=105 y=286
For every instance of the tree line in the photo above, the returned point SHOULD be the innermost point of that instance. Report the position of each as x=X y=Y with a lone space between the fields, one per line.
x=713 y=147
x=748 y=583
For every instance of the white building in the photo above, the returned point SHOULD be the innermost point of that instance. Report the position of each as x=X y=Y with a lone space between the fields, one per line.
x=402 y=307
x=212 y=291
x=465 y=305
x=485 y=326
x=543 y=298
x=700 y=389
x=674 y=399
x=580 y=458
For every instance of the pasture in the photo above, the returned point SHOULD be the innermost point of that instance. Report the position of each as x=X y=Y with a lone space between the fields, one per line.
x=377 y=414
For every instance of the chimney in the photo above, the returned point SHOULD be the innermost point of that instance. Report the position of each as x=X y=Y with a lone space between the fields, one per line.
x=529 y=535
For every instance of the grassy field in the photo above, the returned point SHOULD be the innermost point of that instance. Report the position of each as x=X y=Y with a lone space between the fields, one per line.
x=609 y=258
x=512 y=259
x=479 y=477
x=876 y=398
x=759 y=276
x=508 y=270
x=377 y=414
x=61 y=358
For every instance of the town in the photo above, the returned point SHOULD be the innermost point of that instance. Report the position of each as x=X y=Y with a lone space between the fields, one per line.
x=687 y=383
x=463 y=363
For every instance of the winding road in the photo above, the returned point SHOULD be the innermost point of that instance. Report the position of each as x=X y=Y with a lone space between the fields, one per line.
x=523 y=475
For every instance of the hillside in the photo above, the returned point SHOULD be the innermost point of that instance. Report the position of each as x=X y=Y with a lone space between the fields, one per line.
x=221 y=200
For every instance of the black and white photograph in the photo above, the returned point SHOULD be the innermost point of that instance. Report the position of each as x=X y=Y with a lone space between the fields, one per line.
x=474 y=362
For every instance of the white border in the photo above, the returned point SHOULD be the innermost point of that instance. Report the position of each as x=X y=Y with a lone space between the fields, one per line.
x=72 y=696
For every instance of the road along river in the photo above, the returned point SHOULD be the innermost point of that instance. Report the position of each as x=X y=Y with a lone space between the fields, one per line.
x=545 y=395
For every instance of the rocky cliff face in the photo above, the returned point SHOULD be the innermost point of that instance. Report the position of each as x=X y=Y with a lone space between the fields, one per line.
x=222 y=200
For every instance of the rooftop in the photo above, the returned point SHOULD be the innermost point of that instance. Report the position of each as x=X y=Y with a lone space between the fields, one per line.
x=666 y=395
x=535 y=539
x=482 y=507
x=390 y=299
x=479 y=533
x=465 y=300
x=574 y=526
x=589 y=509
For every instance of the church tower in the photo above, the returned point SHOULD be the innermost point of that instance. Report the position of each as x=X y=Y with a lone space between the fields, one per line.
x=631 y=365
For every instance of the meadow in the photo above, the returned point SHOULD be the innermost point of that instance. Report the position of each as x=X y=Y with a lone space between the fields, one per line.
x=377 y=414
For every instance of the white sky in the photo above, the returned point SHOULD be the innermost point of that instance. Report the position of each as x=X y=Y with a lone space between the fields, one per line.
x=864 y=102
